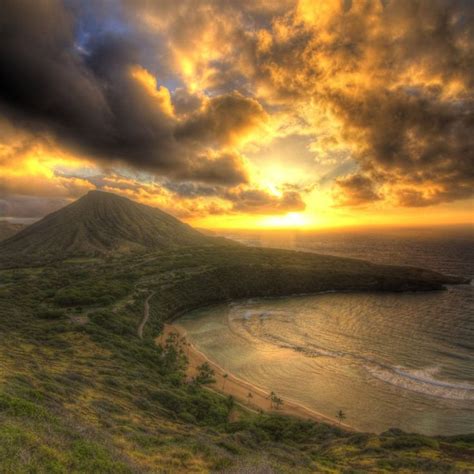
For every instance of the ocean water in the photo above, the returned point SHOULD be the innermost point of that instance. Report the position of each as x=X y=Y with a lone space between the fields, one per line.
x=387 y=360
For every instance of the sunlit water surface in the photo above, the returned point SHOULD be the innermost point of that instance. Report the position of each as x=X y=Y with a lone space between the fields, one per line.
x=387 y=360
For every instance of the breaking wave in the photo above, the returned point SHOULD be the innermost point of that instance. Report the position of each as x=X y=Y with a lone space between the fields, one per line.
x=422 y=381
x=251 y=323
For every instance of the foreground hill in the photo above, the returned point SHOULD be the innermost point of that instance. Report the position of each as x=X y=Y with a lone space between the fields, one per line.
x=83 y=390
x=97 y=224
x=80 y=391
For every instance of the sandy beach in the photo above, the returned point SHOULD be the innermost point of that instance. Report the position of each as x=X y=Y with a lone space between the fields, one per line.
x=246 y=394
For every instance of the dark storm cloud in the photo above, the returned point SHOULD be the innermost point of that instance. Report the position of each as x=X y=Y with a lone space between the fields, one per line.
x=416 y=139
x=418 y=135
x=414 y=198
x=398 y=76
x=244 y=199
x=185 y=102
x=223 y=120
x=225 y=169
x=389 y=82
x=41 y=75
x=85 y=95
x=190 y=190
x=356 y=190
x=260 y=201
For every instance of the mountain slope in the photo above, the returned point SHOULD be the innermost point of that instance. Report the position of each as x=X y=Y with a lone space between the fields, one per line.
x=100 y=223
x=8 y=229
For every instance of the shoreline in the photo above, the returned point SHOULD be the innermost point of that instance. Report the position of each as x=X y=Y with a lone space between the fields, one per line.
x=248 y=395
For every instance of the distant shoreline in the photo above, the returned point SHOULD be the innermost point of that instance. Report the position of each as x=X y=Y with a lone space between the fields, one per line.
x=240 y=389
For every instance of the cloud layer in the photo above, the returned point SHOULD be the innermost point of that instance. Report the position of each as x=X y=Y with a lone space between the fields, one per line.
x=95 y=98
x=181 y=94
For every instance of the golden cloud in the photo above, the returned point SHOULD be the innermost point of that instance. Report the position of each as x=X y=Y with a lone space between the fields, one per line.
x=381 y=90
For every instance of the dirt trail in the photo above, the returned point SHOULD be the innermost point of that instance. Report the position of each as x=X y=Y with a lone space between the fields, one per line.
x=146 y=314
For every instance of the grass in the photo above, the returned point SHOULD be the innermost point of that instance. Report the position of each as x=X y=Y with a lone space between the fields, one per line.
x=87 y=395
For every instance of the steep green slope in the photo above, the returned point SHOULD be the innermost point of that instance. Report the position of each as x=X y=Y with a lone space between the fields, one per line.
x=81 y=392
x=97 y=224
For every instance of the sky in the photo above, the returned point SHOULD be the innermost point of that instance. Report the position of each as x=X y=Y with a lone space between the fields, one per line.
x=241 y=113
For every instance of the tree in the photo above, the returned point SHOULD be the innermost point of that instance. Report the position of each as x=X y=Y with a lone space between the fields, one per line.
x=272 y=398
x=275 y=401
x=230 y=402
x=174 y=359
x=278 y=402
x=225 y=377
x=341 y=416
x=205 y=374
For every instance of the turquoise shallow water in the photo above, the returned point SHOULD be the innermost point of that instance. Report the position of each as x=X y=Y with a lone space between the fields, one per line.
x=387 y=360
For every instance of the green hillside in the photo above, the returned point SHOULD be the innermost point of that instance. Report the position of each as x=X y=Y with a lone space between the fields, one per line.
x=97 y=224
x=81 y=392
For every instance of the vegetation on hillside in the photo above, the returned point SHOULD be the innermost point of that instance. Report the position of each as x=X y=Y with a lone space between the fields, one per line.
x=99 y=223
x=81 y=392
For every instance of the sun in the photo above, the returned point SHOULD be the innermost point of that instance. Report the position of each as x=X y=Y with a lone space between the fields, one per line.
x=292 y=219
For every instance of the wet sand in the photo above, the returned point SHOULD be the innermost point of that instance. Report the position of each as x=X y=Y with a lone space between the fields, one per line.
x=247 y=394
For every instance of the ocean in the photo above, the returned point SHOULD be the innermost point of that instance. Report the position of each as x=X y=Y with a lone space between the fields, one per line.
x=403 y=360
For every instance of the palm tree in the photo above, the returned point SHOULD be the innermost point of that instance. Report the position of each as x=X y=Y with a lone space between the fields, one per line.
x=205 y=374
x=225 y=376
x=278 y=402
x=272 y=398
x=275 y=401
x=341 y=416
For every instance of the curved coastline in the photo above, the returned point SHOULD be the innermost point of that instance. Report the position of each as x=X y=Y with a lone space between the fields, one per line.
x=240 y=388
x=245 y=273
x=208 y=331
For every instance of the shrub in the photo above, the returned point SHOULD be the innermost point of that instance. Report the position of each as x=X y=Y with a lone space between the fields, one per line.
x=51 y=314
x=91 y=457
x=205 y=374
x=196 y=405
x=410 y=441
x=187 y=417
x=22 y=408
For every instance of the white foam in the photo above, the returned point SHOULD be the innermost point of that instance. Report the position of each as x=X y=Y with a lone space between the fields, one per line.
x=422 y=381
